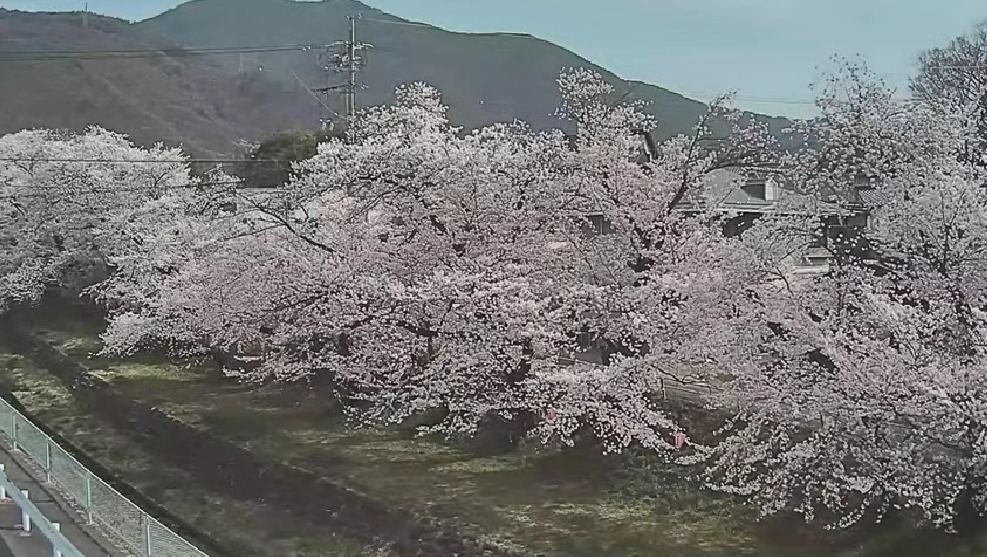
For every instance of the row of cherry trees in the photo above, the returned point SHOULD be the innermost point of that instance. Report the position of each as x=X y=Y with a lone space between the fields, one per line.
x=413 y=267
x=420 y=268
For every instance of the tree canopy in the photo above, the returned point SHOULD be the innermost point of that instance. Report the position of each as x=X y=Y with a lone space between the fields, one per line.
x=269 y=164
x=417 y=268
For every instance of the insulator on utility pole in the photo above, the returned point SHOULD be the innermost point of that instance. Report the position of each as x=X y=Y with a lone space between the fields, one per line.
x=351 y=70
x=341 y=56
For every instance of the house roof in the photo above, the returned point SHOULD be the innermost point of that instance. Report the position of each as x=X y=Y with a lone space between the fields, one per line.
x=726 y=188
x=872 y=197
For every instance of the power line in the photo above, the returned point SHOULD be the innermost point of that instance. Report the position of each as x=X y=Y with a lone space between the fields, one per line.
x=42 y=56
x=117 y=54
x=406 y=23
x=316 y=97
x=148 y=161
x=309 y=90
x=709 y=96
x=705 y=97
x=111 y=187
x=436 y=28
x=206 y=49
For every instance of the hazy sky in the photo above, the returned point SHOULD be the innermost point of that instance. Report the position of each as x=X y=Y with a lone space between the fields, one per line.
x=767 y=51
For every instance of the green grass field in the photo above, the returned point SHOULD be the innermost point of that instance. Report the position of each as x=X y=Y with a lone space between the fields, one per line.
x=531 y=500
x=241 y=528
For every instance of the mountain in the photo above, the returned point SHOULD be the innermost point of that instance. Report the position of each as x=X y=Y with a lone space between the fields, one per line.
x=209 y=102
x=484 y=77
x=151 y=97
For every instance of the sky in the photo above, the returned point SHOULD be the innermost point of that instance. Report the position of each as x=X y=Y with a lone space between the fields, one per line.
x=767 y=52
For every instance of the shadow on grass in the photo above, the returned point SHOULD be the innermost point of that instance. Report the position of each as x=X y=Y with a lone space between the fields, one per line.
x=241 y=527
x=527 y=501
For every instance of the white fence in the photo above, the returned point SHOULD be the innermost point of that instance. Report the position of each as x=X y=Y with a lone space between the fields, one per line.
x=31 y=516
x=133 y=529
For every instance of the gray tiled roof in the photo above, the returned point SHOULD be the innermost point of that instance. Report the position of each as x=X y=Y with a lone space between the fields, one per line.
x=872 y=197
x=726 y=187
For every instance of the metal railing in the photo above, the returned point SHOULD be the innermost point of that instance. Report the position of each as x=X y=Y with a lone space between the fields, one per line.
x=135 y=531
x=31 y=515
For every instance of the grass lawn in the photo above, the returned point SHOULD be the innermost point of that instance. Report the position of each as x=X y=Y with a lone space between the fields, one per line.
x=531 y=500
x=241 y=528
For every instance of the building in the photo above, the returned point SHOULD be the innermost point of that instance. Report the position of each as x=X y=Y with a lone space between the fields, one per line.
x=744 y=197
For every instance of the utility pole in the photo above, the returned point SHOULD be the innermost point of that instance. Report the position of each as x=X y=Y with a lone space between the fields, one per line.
x=343 y=56
x=351 y=71
x=85 y=15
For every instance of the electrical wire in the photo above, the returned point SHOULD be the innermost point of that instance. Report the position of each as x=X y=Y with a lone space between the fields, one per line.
x=314 y=96
x=40 y=56
x=415 y=24
x=152 y=53
x=109 y=187
x=176 y=49
x=41 y=191
x=37 y=55
x=703 y=96
x=148 y=161
x=405 y=23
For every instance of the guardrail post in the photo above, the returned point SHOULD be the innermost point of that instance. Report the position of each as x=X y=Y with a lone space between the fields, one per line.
x=58 y=528
x=89 y=497
x=47 y=460
x=13 y=431
x=25 y=518
x=147 y=534
x=3 y=488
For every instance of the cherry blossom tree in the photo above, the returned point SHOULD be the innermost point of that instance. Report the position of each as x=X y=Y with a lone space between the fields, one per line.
x=957 y=71
x=65 y=201
x=416 y=267
x=189 y=221
x=872 y=399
